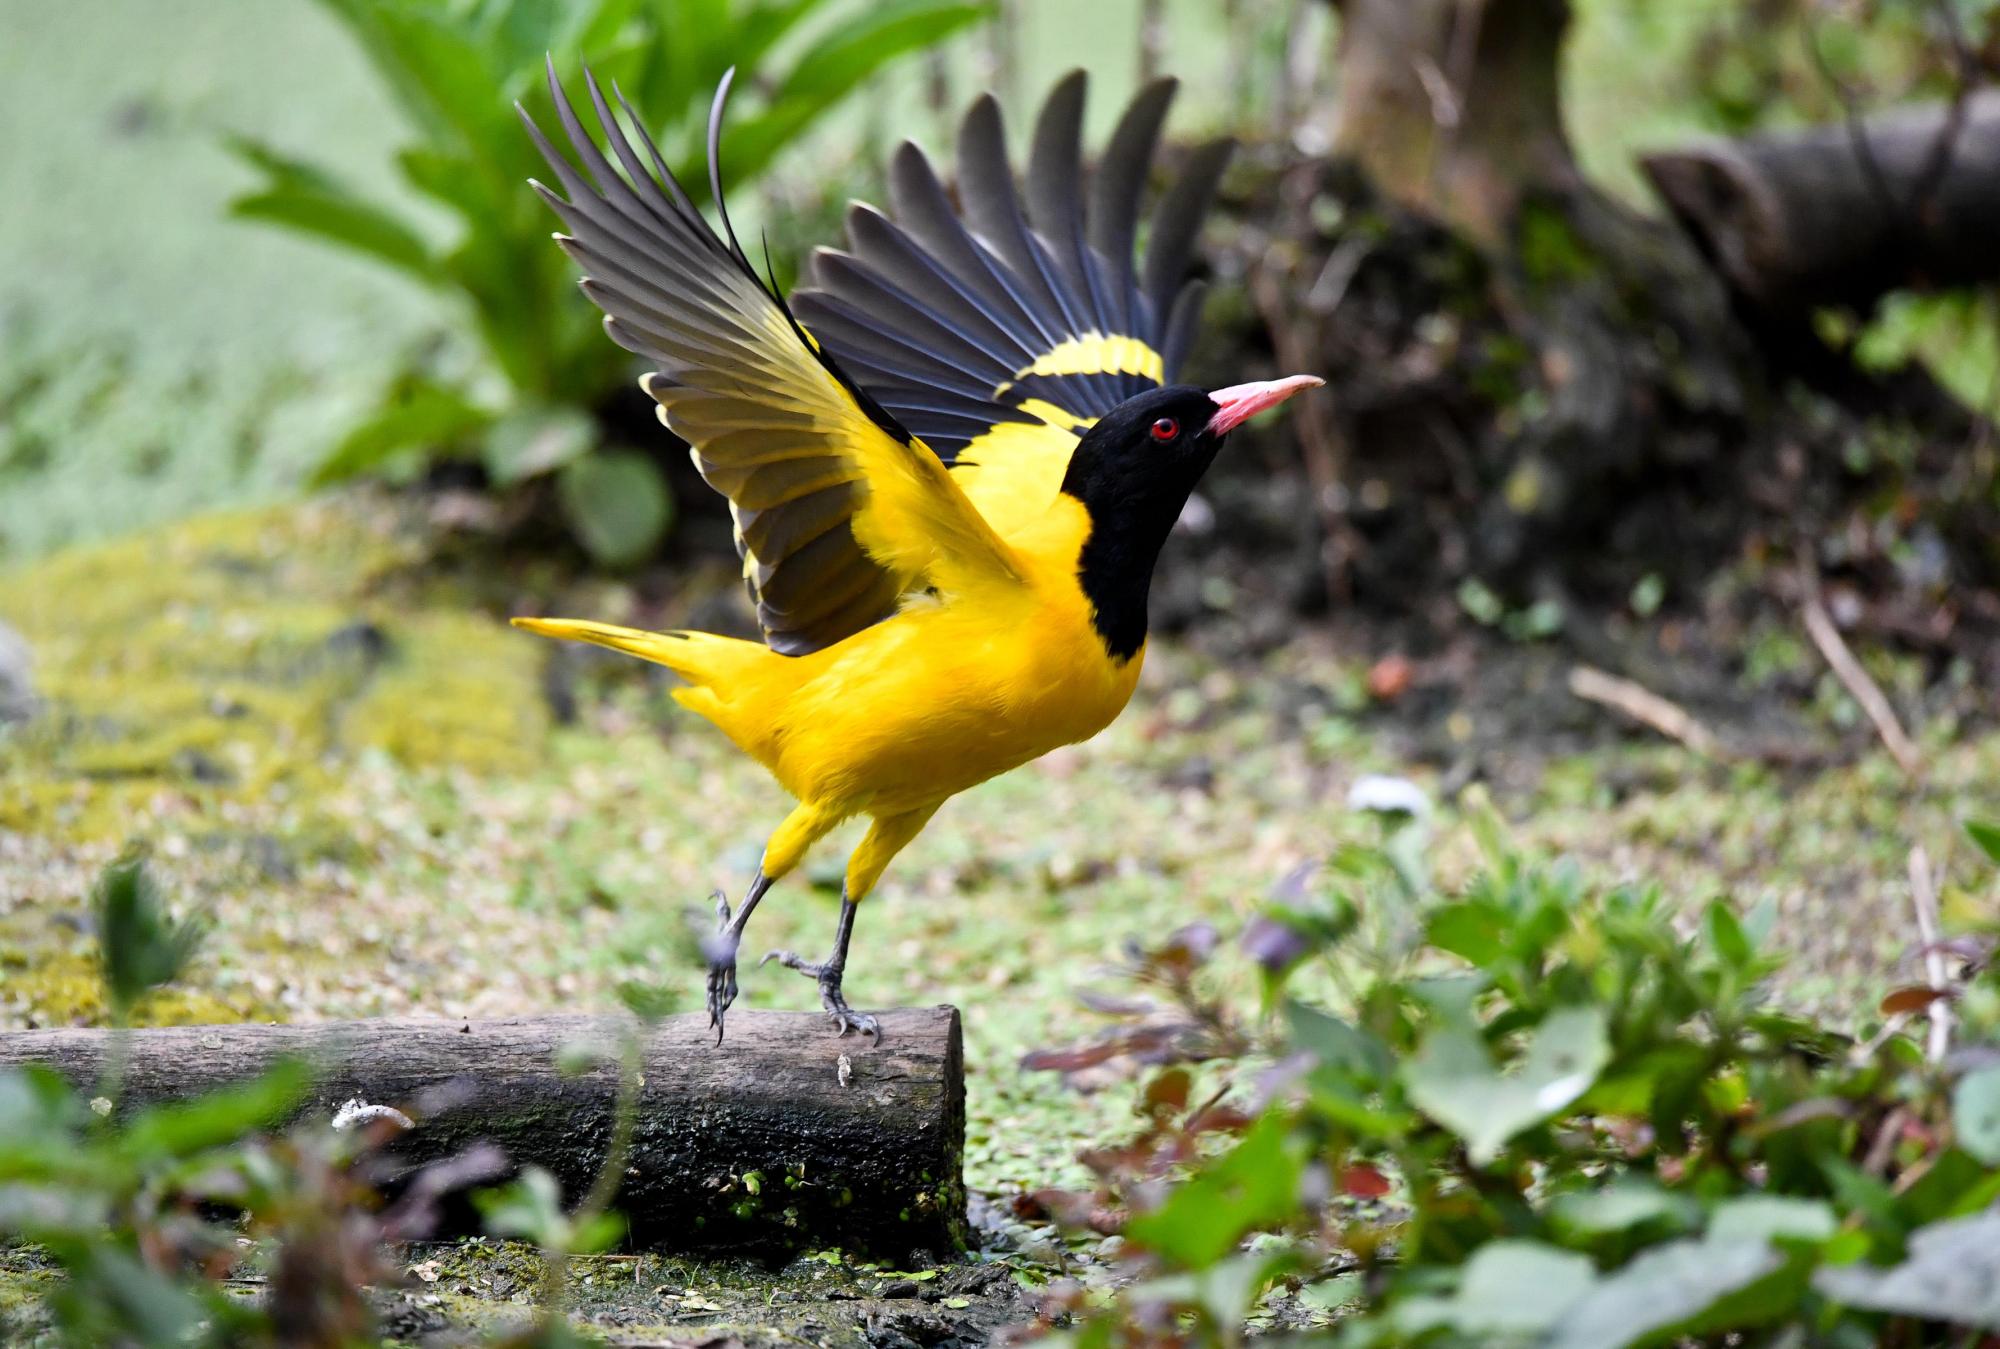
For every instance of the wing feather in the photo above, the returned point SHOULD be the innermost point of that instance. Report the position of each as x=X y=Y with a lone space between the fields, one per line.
x=1115 y=193
x=1063 y=322
x=839 y=509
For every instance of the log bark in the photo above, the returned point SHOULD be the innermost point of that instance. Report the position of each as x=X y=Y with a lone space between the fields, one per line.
x=1805 y=219
x=763 y=1143
x=1453 y=107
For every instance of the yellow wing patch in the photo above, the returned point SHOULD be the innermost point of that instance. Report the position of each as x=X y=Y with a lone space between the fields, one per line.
x=1013 y=472
x=1094 y=353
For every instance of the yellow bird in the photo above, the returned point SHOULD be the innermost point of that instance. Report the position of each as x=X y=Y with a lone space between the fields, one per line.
x=951 y=462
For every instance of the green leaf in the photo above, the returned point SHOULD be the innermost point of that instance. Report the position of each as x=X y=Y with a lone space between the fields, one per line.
x=599 y=1232
x=1772 y=1217
x=1621 y=1205
x=1253 y=1185
x=1952 y=1274
x=1509 y=1289
x=46 y=1212
x=843 y=57
x=426 y=416
x=121 y=1291
x=530 y=1208
x=617 y=503
x=141 y=946
x=1986 y=833
x=1454 y=1080
x=433 y=67
x=537 y=440
x=1975 y=1114
x=35 y=1104
x=1725 y=930
x=1337 y=1044
x=1473 y=930
x=219 y=1117
x=836 y=64
x=1681 y=1288
x=1226 y=1290
x=302 y=197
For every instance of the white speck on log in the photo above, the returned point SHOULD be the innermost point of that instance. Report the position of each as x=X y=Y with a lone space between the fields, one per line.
x=357 y=1112
x=845 y=1070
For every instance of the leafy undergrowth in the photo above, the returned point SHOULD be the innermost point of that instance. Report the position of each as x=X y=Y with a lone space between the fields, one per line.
x=334 y=749
x=1532 y=1111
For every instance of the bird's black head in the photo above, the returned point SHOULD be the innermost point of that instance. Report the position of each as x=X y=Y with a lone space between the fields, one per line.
x=1133 y=471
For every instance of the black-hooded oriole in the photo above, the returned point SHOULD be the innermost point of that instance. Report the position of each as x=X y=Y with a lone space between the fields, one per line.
x=951 y=460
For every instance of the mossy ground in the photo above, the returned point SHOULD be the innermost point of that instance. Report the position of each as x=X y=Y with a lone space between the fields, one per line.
x=348 y=762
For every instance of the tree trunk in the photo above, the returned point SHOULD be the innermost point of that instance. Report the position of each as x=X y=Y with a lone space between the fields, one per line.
x=765 y=1142
x=1453 y=107
x=1839 y=215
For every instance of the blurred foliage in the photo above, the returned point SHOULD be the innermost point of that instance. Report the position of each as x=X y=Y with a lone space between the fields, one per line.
x=141 y=946
x=1763 y=63
x=455 y=69
x=1532 y=1112
x=148 y=1214
x=1776 y=63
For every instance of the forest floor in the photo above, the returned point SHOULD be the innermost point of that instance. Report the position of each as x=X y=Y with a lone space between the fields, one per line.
x=390 y=803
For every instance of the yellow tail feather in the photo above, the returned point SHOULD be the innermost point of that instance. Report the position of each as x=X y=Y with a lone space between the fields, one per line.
x=699 y=657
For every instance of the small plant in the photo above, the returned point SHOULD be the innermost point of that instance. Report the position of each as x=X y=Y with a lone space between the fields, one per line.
x=456 y=68
x=145 y=1212
x=1535 y=1112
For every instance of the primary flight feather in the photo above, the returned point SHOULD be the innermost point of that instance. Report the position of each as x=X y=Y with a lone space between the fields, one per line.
x=951 y=461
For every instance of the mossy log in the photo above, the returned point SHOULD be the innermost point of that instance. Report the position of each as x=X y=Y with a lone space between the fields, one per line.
x=1842 y=214
x=787 y=1135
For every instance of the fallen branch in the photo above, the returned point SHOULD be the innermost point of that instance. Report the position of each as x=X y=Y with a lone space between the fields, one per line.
x=762 y=1142
x=1644 y=706
x=1864 y=690
x=1839 y=215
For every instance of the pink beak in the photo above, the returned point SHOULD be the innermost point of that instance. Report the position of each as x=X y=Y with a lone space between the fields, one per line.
x=1240 y=402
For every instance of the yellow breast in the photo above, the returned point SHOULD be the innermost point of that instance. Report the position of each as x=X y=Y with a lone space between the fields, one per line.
x=946 y=694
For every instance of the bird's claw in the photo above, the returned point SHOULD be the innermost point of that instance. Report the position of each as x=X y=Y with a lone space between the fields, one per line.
x=721 y=967
x=830 y=996
x=721 y=993
x=850 y=1020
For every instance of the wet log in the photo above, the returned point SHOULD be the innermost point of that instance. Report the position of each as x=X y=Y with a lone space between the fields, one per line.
x=786 y=1136
x=1840 y=215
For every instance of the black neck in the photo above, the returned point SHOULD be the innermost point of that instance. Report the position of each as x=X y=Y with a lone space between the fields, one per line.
x=1115 y=571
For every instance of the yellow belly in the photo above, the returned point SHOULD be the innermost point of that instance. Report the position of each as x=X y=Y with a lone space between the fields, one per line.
x=930 y=702
x=927 y=704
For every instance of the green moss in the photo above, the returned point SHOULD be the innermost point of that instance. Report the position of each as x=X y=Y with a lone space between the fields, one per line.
x=61 y=987
x=248 y=657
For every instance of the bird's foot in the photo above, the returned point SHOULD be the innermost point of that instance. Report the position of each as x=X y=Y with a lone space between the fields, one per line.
x=830 y=996
x=720 y=949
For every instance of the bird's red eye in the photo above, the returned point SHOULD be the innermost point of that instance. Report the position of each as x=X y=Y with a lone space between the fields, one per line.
x=1166 y=429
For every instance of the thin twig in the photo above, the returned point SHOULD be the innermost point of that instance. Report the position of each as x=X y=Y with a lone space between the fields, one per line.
x=1884 y=1145
x=1937 y=158
x=1923 y=898
x=1864 y=690
x=1857 y=137
x=1889 y=1030
x=1646 y=707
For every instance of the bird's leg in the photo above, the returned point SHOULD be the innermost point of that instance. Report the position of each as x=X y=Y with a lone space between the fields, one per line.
x=720 y=949
x=828 y=973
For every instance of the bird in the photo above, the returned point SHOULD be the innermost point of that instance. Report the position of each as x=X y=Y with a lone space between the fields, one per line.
x=951 y=460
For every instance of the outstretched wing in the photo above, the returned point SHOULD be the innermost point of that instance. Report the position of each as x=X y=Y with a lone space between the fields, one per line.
x=999 y=334
x=838 y=510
